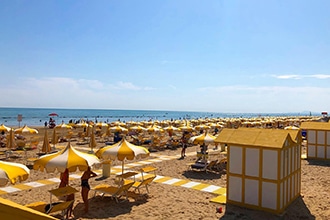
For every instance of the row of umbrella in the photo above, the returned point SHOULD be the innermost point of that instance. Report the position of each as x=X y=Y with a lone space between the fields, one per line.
x=73 y=159
x=23 y=130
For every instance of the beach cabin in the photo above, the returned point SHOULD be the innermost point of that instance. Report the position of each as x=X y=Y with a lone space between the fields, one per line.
x=263 y=167
x=318 y=139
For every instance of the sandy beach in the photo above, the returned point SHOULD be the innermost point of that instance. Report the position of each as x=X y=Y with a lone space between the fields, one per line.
x=167 y=201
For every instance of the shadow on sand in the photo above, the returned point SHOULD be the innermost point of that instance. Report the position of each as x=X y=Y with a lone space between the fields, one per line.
x=201 y=175
x=105 y=207
x=296 y=210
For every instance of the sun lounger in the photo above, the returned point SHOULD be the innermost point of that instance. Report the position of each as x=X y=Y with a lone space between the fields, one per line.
x=203 y=166
x=51 y=208
x=145 y=182
x=114 y=191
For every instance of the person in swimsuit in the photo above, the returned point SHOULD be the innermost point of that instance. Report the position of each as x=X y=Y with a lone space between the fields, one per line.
x=85 y=186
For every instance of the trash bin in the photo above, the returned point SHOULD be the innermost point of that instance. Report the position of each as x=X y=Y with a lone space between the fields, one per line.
x=106 y=168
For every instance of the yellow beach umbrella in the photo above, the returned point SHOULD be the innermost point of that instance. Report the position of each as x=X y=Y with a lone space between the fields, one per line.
x=12 y=172
x=121 y=151
x=203 y=138
x=118 y=128
x=171 y=128
x=154 y=128
x=101 y=125
x=137 y=128
x=46 y=146
x=4 y=128
x=291 y=128
x=202 y=127
x=63 y=126
x=82 y=125
x=186 y=128
x=13 y=210
x=68 y=158
x=26 y=130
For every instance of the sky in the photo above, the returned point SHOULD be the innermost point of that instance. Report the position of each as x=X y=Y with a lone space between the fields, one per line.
x=230 y=56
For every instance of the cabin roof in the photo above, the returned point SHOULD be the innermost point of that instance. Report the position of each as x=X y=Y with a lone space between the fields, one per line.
x=312 y=125
x=272 y=138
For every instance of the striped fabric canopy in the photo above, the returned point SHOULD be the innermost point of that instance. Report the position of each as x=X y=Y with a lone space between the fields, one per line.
x=26 y=130
x=203 y=138
x=67 y=158
x=12 y=172
x=121 y=151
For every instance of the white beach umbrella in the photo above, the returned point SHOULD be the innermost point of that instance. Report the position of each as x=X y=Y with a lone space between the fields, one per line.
x=26 y=130
x=121 y=151
x=68 y=158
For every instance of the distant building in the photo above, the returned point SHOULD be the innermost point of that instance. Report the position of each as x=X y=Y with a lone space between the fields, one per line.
x=263 y=168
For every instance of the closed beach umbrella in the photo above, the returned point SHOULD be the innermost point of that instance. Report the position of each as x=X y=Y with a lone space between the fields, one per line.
x=11 y=144
x=92 y=141
x=46 y=146
x=12 y=172
x=68 y=158
x=121 y=151
x=203 y=138
x=4 y=128
x=26 y=130
x=54 y=138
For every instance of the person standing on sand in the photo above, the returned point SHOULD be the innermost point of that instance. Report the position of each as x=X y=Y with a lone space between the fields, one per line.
x=184 y=142
x=85 y=186
x=64 y=177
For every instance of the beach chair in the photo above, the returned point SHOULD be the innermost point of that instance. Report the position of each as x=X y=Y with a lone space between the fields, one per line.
x=114 y=191
x=221 y=165
x=145 y=182
x=44 y=207
x=203 y=166
x=146 y=172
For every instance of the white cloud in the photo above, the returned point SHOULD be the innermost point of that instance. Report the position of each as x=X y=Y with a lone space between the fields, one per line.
x=288 y=76
x=316 y=76
x=84 y=93
x=320 y=76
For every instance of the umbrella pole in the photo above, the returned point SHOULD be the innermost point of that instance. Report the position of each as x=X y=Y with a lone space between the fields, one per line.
x=122 y=167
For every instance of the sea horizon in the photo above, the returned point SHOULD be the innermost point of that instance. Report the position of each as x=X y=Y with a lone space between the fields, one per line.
x=36 y=116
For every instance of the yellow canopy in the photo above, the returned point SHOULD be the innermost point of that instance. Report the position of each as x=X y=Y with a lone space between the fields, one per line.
x=26 y=130
x=12 y=210
x=12 y=172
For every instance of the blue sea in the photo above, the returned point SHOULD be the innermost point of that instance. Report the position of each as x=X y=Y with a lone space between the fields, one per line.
x=38 y=116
